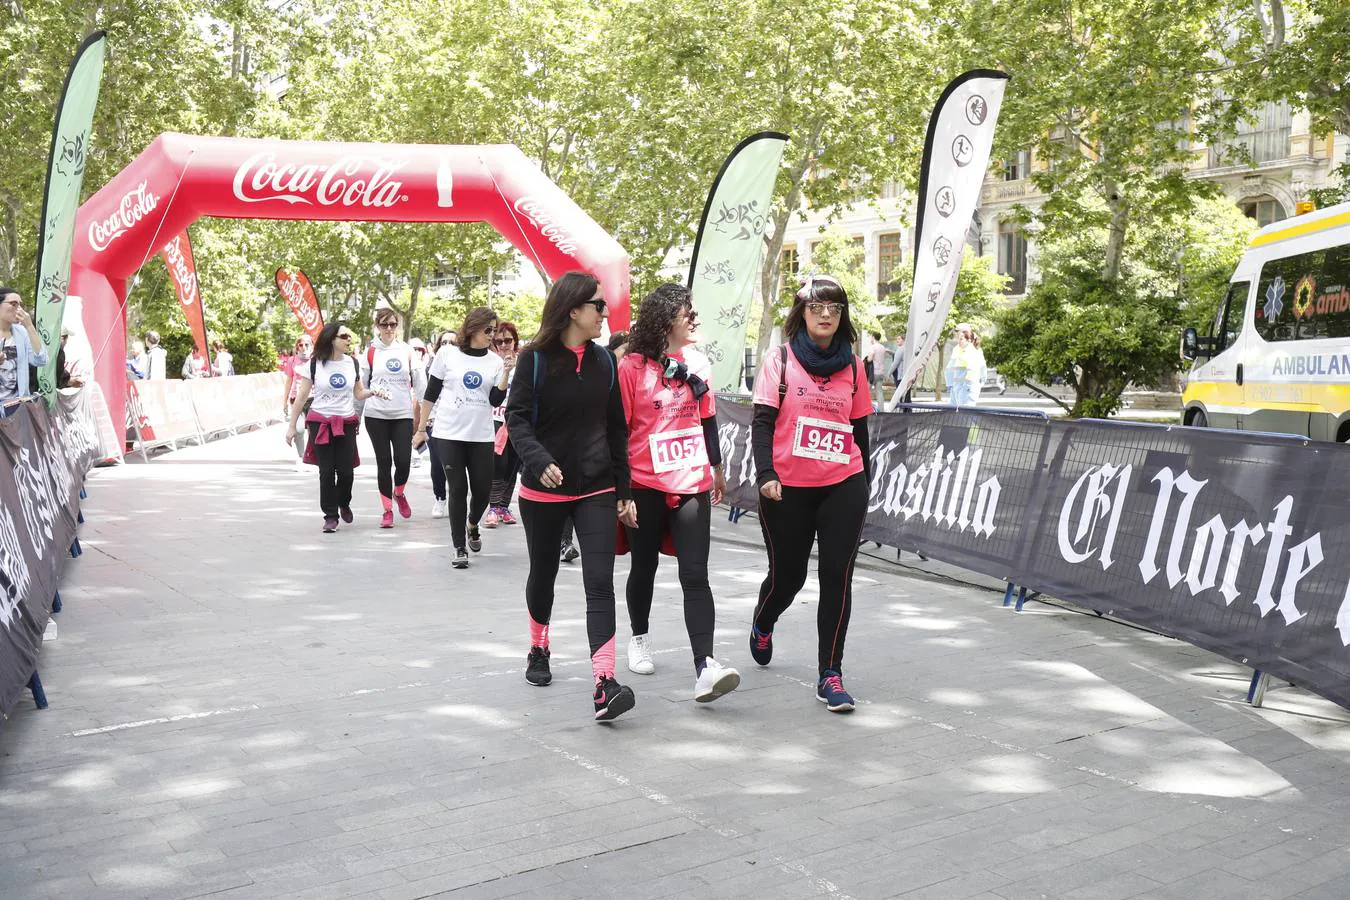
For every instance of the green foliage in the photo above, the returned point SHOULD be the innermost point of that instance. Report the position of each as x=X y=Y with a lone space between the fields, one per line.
x=979 y=293
x=1099 y=336
x=1339 y=192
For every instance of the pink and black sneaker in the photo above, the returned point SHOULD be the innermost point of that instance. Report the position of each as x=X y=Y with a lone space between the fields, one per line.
x=612 y=699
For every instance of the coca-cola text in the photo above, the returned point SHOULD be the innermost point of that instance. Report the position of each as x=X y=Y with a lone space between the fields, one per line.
x=135 y=205
x=347 y=181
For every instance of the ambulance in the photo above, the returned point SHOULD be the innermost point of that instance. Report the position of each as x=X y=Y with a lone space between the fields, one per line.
x=1276 y=358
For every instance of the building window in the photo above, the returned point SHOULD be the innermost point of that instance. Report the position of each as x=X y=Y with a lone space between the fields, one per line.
x=1012 y=258
x=1018 y=167
x=890 y=253
x=1261 y=140
x=1264 y=210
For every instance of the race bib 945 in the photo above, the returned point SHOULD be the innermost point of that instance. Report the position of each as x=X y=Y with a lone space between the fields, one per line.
x=821 y=440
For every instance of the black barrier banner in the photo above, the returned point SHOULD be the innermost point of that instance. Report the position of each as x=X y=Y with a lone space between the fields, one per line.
x=44 y=457
x=1237 y=543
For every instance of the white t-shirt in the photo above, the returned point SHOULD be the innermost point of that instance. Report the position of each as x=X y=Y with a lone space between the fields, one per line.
x=158 y=355
x=499 y=413
x=462 y=411
x=334 y=390
x=395 y=369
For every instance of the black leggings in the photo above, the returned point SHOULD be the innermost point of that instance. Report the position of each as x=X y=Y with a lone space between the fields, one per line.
x=393 y=451
x=336 y=472
x=595 y=524
x=437 y=471
x=689 y=525
x=468 y=469
x=506 y=466
x=834 y=516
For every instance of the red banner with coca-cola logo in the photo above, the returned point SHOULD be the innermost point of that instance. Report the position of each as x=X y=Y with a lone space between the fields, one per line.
x=183 y=273
x=299 y=296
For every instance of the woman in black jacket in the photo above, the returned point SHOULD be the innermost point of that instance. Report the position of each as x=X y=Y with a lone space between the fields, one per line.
x=566 y=421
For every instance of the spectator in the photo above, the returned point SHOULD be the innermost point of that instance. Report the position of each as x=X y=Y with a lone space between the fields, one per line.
x=158 y=369
x=20 y=346
x=138 y=362
x=876 y=369
x=68 y=374
x=196 y=366
x=618 y=344
x=224 y=364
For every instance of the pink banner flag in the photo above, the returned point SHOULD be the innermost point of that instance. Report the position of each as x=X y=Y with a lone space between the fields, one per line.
x=299 y=296
x=183 y=272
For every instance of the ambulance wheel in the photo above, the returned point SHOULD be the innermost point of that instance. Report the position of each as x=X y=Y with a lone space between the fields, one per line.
x=1198 y=419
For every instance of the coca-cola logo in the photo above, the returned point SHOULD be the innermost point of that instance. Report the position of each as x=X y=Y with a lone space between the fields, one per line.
x=135 y=205
x=293 y=289
x=347 y=181
x=541 y=219
x=183 y=274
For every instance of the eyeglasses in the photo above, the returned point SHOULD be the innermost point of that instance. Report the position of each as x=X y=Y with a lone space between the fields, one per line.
x=344 y=337
x=691 y=317
x=491 y=329
x=503 y=342
x=598 y=303
x=384 y=325
x=822 y=309
x=14 y=302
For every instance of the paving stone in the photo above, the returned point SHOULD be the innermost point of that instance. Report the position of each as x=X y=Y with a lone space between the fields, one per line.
x=245 y=708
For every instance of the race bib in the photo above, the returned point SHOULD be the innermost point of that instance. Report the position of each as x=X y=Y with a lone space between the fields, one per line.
x=821 y=440
x=674 y=451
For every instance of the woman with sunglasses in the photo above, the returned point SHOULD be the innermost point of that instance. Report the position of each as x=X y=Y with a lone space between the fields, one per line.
x=330 y=386
x=676 y=463
x=810 y=441
x=444 y=339
x=296 y=368
x=506 y=463
x=465 y=383
x=566 y=420
x=389 y=363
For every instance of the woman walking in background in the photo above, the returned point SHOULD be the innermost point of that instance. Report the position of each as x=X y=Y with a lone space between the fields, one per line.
x=676 y=464
x=296 y=368
x=810 y=441
x=465 y=383
x=506 y=464
x=330 y=386
x=389 y=364
x=438 y=506
x=566 y=420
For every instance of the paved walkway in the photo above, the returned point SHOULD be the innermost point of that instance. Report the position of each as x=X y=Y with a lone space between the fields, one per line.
x=243 y=707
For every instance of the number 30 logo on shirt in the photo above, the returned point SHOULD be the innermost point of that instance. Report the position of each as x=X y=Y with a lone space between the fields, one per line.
x=473 y=381
x=337 y=381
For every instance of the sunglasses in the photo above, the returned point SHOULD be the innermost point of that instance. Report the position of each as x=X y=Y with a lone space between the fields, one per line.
x=503 y=342
x=344 y=337
x=691 y=317
x=388 y=324
x=598 y=304
x=821 y=309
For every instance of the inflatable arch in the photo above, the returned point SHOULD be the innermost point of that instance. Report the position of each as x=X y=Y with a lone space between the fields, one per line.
x=180 y=178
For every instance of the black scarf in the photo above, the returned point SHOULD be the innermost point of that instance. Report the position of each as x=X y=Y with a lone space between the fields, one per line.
x=678 y=371
x=822 y=363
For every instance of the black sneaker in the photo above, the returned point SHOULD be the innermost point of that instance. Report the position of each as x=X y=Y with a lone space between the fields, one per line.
x=830 y=691
x=461 y=560
x=612 y=699
x=536 y=667
x=475 y=539
x=761 y=645
x=569 y=552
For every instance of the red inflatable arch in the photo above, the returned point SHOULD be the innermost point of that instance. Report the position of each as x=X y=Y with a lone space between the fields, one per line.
x=180 y=178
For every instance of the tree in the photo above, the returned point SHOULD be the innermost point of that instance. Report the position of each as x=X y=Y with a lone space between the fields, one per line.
x=1295 y=51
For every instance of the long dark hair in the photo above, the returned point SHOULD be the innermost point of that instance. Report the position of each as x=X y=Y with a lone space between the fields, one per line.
x=323 y=345
x=656 y=315
x=567 y=293
x=819 y=289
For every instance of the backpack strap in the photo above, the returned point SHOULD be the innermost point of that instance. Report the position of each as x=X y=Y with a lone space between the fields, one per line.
x=782 y=374
x=609 y=358
x=370 y=365
x=855 y=375
x=313 y=361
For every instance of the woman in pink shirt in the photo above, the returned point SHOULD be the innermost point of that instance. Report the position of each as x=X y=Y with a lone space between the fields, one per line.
x=676 y=466
x=810 y=442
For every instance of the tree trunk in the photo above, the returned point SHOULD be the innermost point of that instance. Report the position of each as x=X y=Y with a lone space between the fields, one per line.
x=1115 y=236
x=415 y=296
x=941 y=371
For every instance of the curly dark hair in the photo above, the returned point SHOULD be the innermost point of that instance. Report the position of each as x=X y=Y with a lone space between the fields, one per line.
x=656 y=315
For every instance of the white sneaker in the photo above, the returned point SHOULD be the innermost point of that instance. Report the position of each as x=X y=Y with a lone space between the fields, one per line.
x=51 y=632
x=300 y=467
x=640 y=655
x=438 y=509
x=715 y=681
